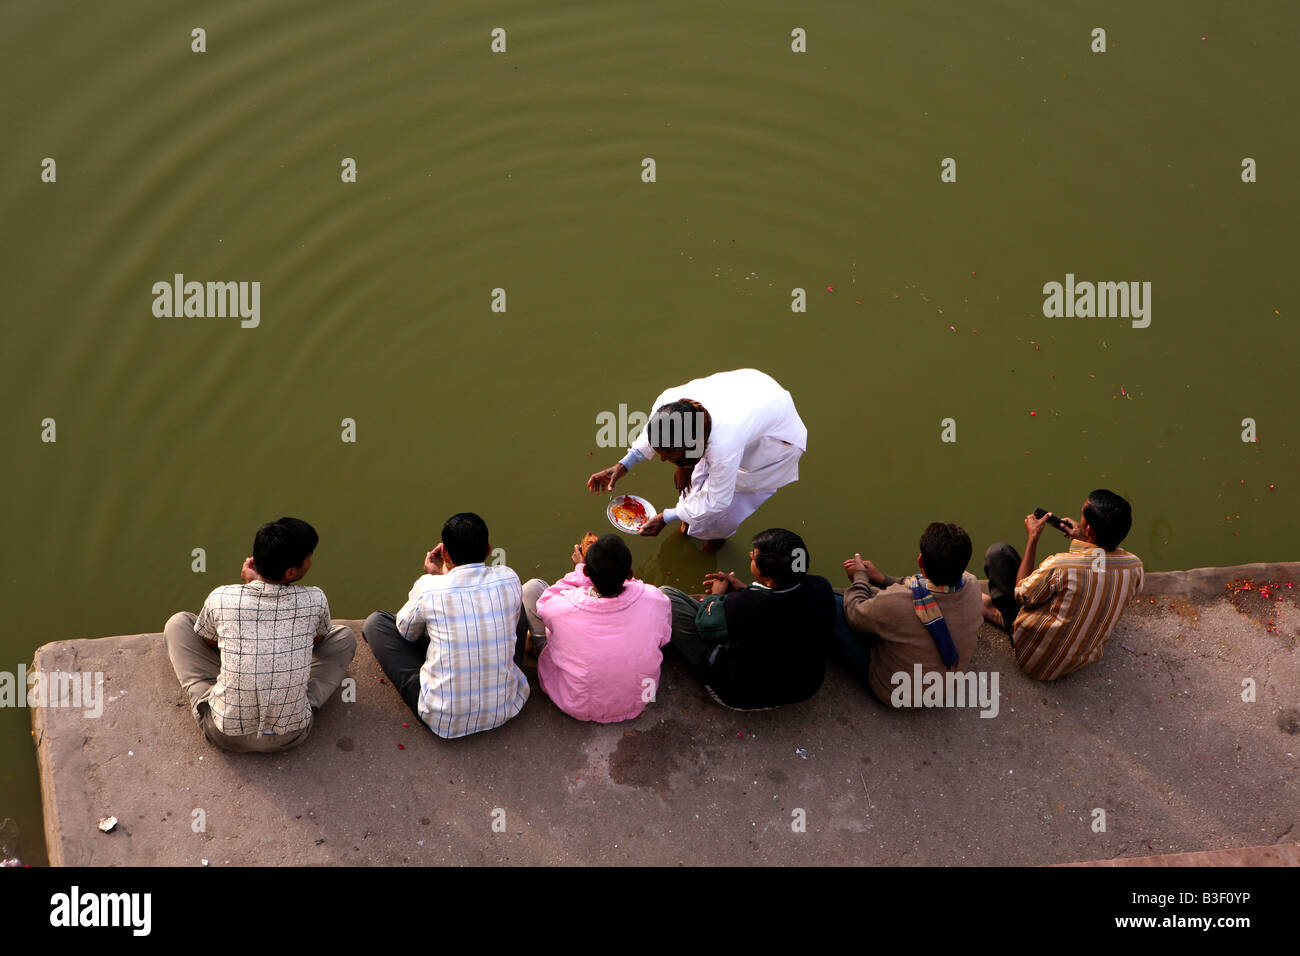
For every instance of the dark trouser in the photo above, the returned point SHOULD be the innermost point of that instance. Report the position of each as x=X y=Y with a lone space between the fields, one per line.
x=398 y=658
x=401 y=659
x=686 y=636
x=1001 y=562
x=852 y=648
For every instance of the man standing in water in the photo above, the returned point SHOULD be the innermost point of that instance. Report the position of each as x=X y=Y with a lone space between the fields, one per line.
x=735 y=438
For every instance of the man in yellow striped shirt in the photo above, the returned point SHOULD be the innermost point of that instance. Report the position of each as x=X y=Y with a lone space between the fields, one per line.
x=1060 y=615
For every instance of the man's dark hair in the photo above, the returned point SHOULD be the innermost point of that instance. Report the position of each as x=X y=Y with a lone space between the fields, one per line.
x=679 y=426
x=465 y=536
x=281 y=545
x=608 y=564
x=781 y=556
x=1109 y=516
x=945 y=552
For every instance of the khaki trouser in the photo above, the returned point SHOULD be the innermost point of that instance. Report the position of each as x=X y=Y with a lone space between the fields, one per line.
x=533 y=590
x=197 y=666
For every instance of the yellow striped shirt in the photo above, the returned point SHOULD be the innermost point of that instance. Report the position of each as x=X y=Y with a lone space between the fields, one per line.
x=1069 y=606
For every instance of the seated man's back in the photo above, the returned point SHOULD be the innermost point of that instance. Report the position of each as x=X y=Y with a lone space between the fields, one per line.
x=265 y=633
x=601 y=656
x=776 y=646
x=260 y=657
x=902 y=640
x=903 y=626
x=469 y=681
x=1068 y=608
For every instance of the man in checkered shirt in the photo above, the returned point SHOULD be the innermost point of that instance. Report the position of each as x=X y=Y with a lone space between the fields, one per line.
x=452 y=651
x=261 y=657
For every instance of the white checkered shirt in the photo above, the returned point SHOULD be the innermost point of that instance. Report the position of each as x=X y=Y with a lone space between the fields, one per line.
x=266 y=633
x=469 y=681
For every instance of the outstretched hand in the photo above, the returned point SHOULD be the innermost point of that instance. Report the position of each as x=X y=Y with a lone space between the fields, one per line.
x=604 y=480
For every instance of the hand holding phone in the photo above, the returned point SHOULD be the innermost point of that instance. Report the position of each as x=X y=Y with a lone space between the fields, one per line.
x=1054 y=520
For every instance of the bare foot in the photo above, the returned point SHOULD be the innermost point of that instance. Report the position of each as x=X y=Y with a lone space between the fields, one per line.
x=992 y=614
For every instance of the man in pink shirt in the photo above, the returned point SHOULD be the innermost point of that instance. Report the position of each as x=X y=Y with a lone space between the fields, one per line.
x=599 y=631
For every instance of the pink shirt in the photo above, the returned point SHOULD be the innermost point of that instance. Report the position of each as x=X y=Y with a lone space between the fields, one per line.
x=602 y=655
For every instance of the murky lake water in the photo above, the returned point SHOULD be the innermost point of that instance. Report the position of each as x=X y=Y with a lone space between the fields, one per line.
x=522 y=171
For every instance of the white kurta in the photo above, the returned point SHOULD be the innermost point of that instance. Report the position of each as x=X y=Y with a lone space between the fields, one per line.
x=753 y=449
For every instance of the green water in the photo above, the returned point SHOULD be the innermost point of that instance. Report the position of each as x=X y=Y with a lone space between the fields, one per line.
x=522 y=171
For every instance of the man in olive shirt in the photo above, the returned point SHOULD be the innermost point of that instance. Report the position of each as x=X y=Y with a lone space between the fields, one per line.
x=885 y=636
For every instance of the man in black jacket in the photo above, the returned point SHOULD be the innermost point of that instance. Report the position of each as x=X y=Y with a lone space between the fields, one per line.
x=761 y=645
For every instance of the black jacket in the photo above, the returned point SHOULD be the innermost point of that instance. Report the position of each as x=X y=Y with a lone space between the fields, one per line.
x=777 y=644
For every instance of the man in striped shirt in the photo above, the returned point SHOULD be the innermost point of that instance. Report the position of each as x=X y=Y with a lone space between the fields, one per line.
x=452 y=650
x=1060 y=615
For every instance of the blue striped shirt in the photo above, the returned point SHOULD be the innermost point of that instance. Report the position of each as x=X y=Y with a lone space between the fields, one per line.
x=469 y=681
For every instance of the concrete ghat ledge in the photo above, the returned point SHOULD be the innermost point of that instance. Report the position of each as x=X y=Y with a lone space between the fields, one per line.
x=1156 y=735
x=1208 y=583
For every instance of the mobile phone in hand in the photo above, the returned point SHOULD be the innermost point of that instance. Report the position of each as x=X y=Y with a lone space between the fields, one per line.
x=1054 y=520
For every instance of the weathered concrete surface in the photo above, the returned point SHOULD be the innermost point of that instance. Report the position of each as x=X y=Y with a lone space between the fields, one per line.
x=1202 y=584
x=1157 y=735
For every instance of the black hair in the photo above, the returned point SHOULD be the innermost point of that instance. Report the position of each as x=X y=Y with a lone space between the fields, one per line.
x=1109 y=516
x=608 y=564
x=679 y=426
x=281 y=545
x=945 y=552
x=465 y=537
x=782 y=556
